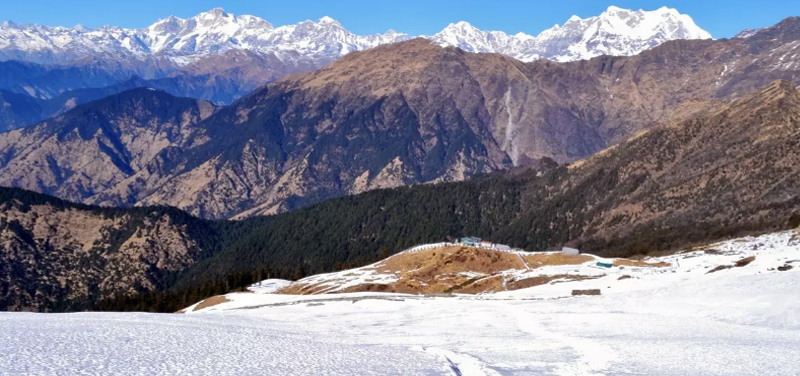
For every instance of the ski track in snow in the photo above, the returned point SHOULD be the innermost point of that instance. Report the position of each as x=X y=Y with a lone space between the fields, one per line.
x=592 y=357
x=462 y=364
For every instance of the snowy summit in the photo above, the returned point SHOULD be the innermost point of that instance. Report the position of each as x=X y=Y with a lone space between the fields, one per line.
x=616 y=31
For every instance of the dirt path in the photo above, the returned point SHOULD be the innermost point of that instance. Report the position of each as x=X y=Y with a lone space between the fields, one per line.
x=524 y=262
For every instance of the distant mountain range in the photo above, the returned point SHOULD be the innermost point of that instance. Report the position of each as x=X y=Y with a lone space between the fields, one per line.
x=616 y=32
x=219 y=57
x=183 y=41
x=401 y=114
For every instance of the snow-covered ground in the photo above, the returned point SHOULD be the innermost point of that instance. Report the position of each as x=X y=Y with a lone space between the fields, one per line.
x=662 y=321
x=268 y=286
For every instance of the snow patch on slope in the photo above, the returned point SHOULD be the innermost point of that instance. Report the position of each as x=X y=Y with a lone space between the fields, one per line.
x=268 y=286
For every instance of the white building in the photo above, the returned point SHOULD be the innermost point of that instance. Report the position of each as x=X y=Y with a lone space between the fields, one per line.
x=570 y=251
x=502 y=247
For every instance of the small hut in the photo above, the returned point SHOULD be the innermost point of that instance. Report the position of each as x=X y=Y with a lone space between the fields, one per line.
x=471 y=240
x=570 y=251
x=502 y=247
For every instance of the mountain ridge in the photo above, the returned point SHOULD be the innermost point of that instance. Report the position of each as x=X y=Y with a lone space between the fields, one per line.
x=422 y=114
x=220 y=57
x=217 y=31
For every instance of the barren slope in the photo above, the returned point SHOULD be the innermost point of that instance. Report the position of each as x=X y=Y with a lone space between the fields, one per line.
x=456 y=269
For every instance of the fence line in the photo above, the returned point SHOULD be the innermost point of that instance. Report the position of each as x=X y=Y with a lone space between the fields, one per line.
x=448 y=244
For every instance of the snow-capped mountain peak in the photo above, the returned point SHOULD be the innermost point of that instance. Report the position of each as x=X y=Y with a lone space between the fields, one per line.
x=216 y=12
x=328 y=20
x=616 y=31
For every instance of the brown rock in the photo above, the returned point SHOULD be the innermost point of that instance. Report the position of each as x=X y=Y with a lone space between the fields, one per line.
x=586 y=292
x=718 y=268
x=745 y=261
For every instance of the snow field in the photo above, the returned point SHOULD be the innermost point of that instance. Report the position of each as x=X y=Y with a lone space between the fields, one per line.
x=663 y=321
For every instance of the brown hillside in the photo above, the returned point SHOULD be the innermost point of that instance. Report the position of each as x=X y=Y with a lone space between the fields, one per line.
x=721 y=173
x=465 y=270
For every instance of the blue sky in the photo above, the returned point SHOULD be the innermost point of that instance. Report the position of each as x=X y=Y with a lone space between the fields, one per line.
x=720 y=18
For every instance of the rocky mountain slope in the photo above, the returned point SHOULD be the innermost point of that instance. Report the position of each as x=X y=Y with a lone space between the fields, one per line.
x=21 y=110
x=411 y=113
x=98 y=145
x=49 y=81
x=60 y=256
x=674 y=179
x=729 y=171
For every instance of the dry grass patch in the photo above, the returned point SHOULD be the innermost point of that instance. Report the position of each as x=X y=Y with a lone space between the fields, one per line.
x=488 y=284
x=369 y=287
x=530 y=282
x=640 y=263
x=545 y=279
x=212 y=301
x=450 y=260
x=299 y=288
x=719 y=268
x=745 y=261
x=463 y=270
x=542 y=259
